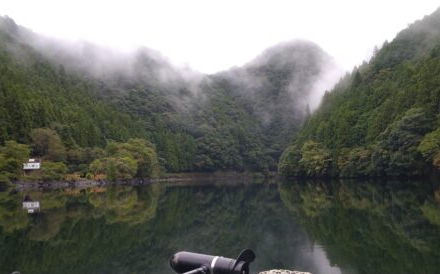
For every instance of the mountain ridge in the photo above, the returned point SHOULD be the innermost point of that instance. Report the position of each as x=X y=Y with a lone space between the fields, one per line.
x=240 y=119
x=382 y=120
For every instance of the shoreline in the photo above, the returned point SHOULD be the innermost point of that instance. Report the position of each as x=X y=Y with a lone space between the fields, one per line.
x=171 y=179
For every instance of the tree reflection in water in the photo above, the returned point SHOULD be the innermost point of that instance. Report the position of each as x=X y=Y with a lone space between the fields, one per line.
x=337 y=227
x=371 y=227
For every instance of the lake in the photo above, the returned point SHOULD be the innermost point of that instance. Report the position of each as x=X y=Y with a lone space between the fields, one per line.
x=320 y=227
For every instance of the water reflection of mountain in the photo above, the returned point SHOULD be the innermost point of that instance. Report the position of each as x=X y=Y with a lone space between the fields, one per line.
x=355 y=227
x=371 y=227
x=136 y=229
x=67 y=236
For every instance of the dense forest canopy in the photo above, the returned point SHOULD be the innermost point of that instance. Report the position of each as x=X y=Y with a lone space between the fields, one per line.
x=80 y=98
x=382 y=119
x=69 y=103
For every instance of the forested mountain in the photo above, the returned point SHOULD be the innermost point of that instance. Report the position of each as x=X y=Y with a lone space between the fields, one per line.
x=97 y=104
x=276 y=88
x=380 y=120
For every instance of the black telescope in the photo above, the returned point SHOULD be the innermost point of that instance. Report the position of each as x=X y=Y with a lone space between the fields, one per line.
x=194 y=263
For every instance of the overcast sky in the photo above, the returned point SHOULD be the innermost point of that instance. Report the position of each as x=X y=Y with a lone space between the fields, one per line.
x=214 y=35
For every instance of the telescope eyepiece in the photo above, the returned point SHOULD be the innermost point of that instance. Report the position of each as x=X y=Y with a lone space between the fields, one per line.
x=188 y=262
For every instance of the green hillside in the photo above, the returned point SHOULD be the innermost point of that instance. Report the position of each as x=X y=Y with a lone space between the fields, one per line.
x=380 y=120
x=71 y=104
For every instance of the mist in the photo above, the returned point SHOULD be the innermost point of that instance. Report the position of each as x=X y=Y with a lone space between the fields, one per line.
x=121 y=71
x=317 y=72
x=214 y=36
x=330 y=75
x=311 y=71
x=305 y=72
x=263 y=102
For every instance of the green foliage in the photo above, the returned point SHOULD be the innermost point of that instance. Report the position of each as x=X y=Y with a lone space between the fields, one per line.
x=120 y=168
x=138 y=150
x=381 y=119
x=78 y=158
x=355 y=162
x=430 y=144
x=315 y=160
x=12 y=157
x=310 y=160
x=431 y=211
x=53 y=171
x=14 y=150
x=144 y=154
x=96 y=167
x=289 y=162
x=402 y=139
x=241 y=119
x=136 y=158
x=47 y=144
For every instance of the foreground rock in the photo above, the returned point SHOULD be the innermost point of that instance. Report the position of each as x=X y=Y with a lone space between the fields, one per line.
x=280 y=271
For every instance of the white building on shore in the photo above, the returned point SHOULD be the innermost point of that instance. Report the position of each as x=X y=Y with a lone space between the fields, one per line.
x=32 y=164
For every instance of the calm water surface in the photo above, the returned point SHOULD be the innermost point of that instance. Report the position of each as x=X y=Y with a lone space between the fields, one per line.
x=332 y=227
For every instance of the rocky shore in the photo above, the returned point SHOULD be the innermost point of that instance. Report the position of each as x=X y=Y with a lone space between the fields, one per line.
x=77 y=184
x=225 y=177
